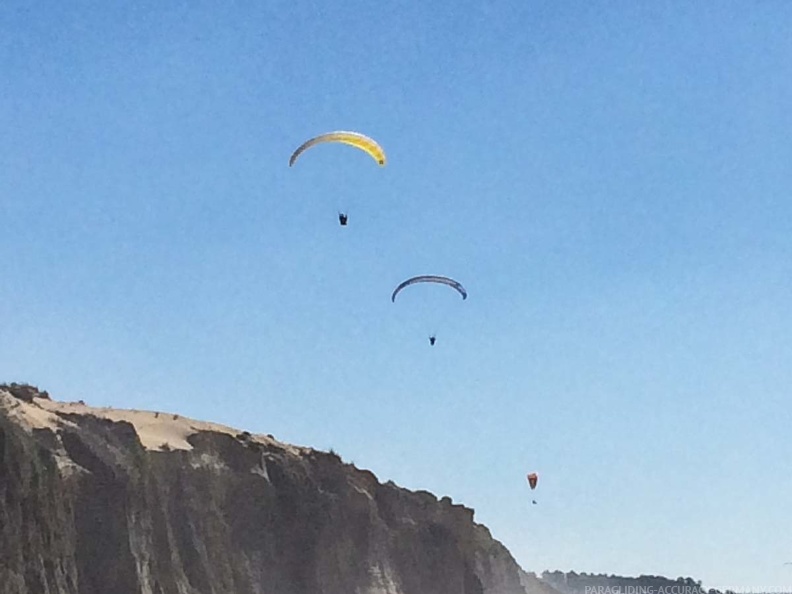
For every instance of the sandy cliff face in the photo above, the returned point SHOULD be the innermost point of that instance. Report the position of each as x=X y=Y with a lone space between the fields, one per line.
x=100 y=501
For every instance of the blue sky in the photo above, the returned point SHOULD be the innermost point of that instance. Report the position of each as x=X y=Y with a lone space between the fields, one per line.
x=610 y=181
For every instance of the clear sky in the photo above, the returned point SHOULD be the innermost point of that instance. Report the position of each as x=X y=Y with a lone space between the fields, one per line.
x=611 y=181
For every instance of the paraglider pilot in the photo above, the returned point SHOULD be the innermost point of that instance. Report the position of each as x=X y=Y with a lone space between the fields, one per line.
x=432 y=339
x=342 y=218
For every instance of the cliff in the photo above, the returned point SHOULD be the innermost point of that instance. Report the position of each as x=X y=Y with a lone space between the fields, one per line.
x=99 y=501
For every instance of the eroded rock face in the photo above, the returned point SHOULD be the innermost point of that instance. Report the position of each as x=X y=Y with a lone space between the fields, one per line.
x=86 y=508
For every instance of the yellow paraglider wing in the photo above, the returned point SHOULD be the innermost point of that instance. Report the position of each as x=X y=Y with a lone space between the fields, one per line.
x=355 y=139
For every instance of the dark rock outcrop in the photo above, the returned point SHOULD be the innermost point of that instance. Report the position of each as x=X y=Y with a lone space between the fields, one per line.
x=91 y=503
x=24 y=392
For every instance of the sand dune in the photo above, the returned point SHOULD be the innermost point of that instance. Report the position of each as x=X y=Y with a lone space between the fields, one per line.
x=156 y=430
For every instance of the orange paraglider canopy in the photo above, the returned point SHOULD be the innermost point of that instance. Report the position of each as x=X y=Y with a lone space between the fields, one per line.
x=532 y=479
